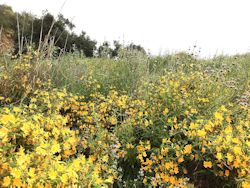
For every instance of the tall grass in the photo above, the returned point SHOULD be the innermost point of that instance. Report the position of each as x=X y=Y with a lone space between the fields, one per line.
x=127 y=73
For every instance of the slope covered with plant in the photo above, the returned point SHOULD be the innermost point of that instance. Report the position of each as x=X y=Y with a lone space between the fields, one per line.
x=172 y=121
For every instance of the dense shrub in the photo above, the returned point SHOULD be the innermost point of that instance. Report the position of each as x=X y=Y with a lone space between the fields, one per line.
x=63 y=125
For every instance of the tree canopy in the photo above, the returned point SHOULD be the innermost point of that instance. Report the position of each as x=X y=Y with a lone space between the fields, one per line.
x=33 y=30
x=27 y=29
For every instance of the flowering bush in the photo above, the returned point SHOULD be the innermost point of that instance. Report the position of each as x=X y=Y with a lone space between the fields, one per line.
x=172 y=133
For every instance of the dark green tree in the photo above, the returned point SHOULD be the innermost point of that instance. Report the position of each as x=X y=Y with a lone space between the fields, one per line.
x=7 y=18
x=40 y=31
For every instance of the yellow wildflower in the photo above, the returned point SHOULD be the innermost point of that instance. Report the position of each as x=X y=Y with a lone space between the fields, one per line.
x=219 y=156
x=6 y=181
x=194 y=111
x=99 y=181
x=165 y=111
x=129 y=146
x=64 y=178
x=223 y=108
x=180 y=160
x=17 y=182
x=110 y=179
x=8 y=119
x=227 y=172
x=3 y=132
x=52 y=174
x=105 y=158
x=113 y=120
x=176 y=170
x=140 y=114
x=228 y=130
x=17 y=110
x=237 y=150
x=193 y=125
x=218 y=116
x=31 y=172
x=55 y=148
x=245 y=184
x=207 y=164
x=16 y=173
x=188 y=149
x=201 y=133
x=230 y=157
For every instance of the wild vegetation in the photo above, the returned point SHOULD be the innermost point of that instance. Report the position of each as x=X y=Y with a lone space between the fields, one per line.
x=49 y=34
x=136 y=121
x=131 y=121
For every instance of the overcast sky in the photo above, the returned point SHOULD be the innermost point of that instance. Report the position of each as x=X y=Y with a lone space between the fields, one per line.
x=216 y=26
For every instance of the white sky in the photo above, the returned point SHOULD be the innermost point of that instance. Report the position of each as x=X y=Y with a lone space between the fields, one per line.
x=216 y=26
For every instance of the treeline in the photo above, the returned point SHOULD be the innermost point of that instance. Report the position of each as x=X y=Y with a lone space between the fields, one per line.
x=26 y=29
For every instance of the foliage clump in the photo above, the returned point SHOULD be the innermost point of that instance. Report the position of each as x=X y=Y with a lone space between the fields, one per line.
x=180 y=125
